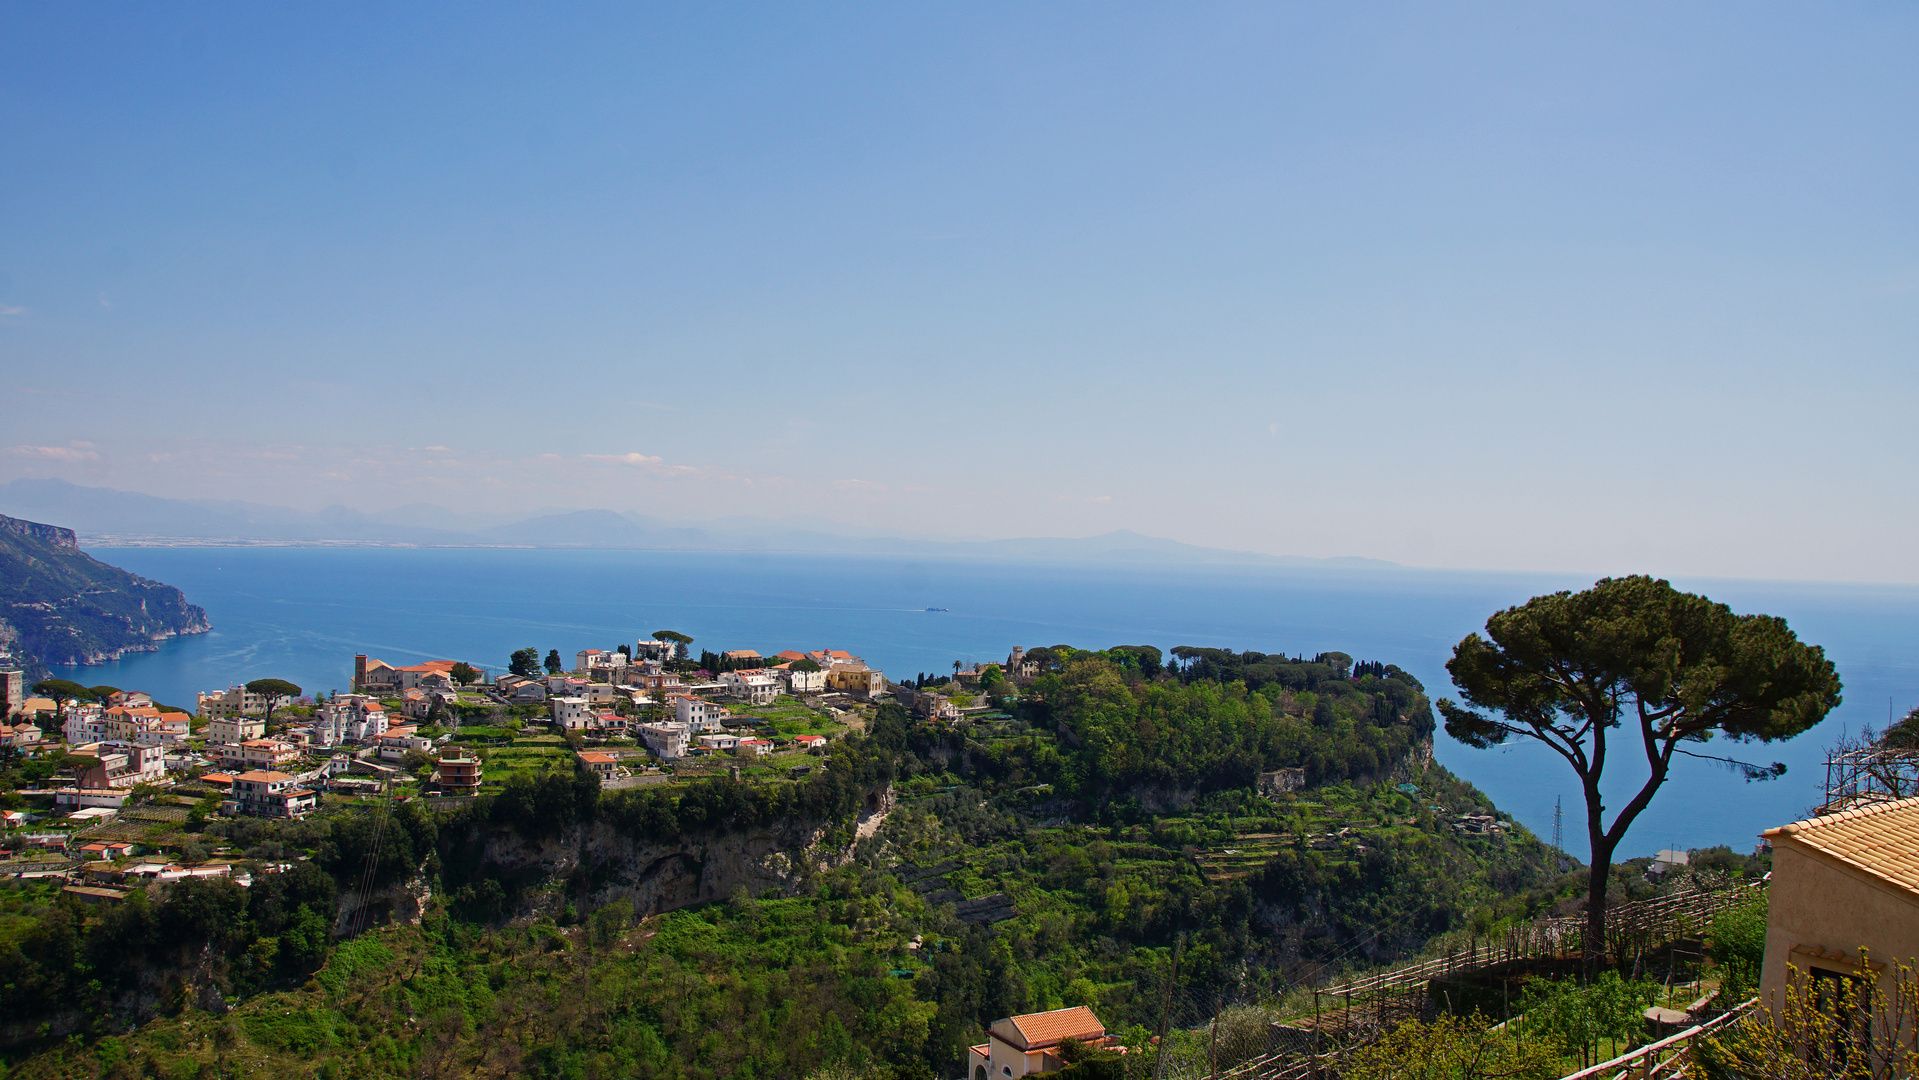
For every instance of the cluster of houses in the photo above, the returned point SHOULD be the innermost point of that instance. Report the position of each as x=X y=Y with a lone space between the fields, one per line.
x=699 y=716
x=131 y=741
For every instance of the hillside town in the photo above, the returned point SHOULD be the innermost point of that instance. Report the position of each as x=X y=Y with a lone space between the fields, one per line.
x=127 y=785
x=110 y=774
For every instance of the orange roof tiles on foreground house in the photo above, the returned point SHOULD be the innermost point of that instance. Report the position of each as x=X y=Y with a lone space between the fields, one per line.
x=1038 y=1031
x=1881 y=840
x=1029 y=1044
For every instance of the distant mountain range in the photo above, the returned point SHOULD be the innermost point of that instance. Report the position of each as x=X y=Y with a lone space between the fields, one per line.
x=105 y=517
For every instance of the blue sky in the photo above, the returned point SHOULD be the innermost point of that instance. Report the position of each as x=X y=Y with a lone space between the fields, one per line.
x=1620 y=287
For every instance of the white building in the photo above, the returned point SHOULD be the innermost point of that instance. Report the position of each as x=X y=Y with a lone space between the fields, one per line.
x=756 y=687
x=349 y=718
x=717 y=743
x=648 y=649
x=588 y=659
x=566 y=685
x=121 y=765
x=264 y=793
x=804 y=682
x=698 y=714
x=84 y=724
x=236 y=701
x=395 y=744
x=257 y=753
x=572 y=713
x=234 y=730
x=668 y=740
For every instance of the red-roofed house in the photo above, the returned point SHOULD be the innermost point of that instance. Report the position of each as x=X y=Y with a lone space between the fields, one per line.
x=110 y=849
x=1024 y=1045
x=259 y=753
x=377 y=675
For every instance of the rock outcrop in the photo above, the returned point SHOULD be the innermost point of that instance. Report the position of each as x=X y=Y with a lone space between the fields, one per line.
x=596 y=863
x=59 y=605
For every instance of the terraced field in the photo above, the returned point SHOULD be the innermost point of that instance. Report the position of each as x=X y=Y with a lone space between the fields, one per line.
x=1242 y=856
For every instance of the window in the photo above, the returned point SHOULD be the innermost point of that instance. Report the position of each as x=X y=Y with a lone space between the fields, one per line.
x=1007 y=1069
x=1840 y=1000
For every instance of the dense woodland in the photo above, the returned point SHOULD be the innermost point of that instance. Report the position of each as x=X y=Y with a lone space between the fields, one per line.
x=1114 y=806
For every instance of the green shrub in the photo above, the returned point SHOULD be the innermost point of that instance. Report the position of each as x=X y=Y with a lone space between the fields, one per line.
x=1738 y=947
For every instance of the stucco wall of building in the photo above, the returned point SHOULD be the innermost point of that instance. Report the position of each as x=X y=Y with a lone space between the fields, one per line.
x=1817 y=903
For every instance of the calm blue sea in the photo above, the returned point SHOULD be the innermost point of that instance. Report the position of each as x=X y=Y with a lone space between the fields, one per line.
x=301 y=614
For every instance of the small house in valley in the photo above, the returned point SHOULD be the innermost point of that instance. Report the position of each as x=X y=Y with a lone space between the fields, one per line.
x=1029 y=1044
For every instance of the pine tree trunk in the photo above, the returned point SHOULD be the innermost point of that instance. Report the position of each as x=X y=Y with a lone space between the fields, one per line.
x=1598 y=878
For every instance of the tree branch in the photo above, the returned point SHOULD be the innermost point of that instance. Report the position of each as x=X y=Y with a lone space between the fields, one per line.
x=1746 y=768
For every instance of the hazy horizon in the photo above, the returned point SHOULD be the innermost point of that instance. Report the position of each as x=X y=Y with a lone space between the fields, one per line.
x=1599 y=289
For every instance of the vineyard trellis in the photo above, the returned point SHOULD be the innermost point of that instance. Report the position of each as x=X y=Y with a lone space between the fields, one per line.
x=1214 y=1038
x=1666 y=1059
x=1873 y=773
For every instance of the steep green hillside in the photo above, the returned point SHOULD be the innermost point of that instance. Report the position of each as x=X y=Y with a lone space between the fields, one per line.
x=1049 y=855
x=59 y=605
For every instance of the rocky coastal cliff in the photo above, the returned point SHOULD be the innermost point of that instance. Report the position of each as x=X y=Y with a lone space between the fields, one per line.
x=59 y=605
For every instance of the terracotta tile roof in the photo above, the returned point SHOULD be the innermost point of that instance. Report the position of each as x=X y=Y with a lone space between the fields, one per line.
x=261 y=776
x=1035 y=1031
x=1882 y=840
